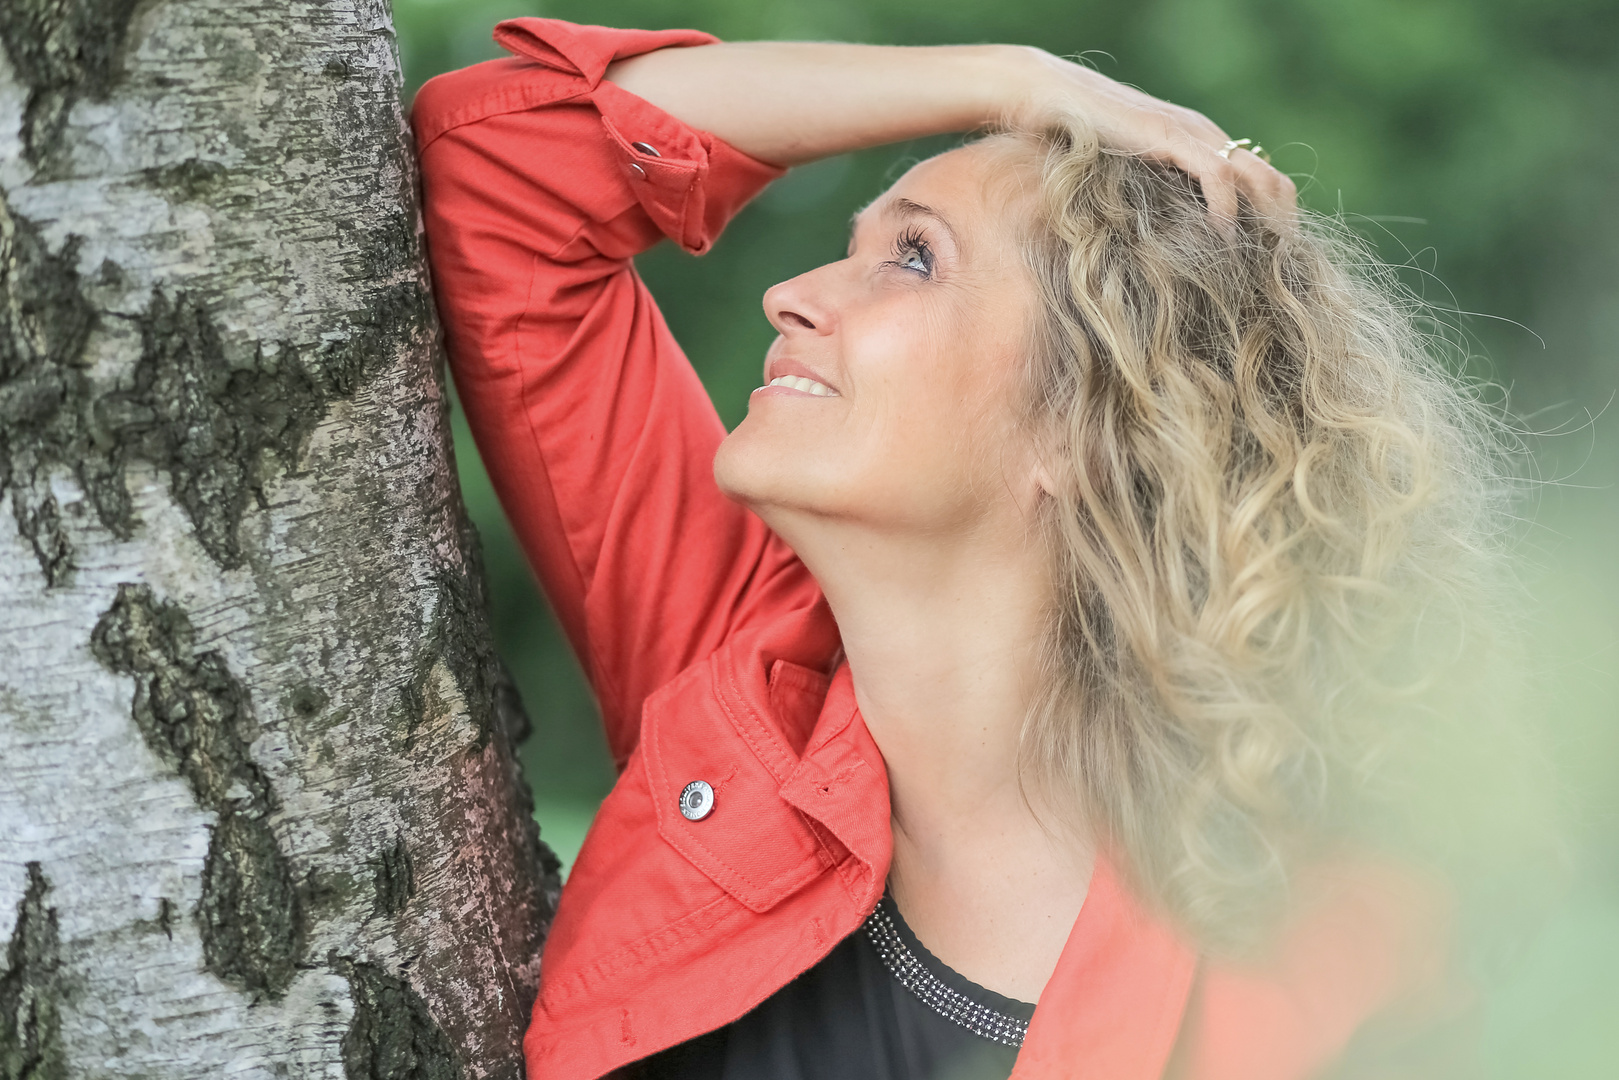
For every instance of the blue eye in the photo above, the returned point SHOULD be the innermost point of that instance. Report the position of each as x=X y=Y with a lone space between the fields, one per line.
x=911 y=252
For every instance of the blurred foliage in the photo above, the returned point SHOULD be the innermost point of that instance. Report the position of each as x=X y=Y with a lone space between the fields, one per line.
x=1475 y=141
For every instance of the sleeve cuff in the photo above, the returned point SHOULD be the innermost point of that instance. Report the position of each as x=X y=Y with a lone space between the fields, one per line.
x=689 y=182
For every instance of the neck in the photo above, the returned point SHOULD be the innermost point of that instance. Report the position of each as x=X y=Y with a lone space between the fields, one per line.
x=943 y=639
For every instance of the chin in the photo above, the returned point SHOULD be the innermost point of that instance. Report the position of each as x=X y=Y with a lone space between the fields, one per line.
x=738 y=470
x=760 y=473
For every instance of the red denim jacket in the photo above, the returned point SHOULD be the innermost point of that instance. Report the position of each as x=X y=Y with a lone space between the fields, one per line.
x=710 y=648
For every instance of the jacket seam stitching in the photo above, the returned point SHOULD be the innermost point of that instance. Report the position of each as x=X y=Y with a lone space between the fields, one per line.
x=624 y=958
x=752 y=728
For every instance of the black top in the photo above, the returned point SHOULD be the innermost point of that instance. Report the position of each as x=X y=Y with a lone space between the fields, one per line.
x=878 y=1007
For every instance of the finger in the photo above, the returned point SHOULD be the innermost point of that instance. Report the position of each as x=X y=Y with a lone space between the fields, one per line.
x=1200 y=126
x=1214 y=174
x=1253 y=177
x=1218 y=177
x=1270 y=192
x=1287 y=196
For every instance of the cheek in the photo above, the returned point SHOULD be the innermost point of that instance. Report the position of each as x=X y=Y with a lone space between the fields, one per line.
x=936 y=438
x=950 y=378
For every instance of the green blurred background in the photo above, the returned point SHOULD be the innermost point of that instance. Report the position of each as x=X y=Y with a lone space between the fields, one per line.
x=1475 y=141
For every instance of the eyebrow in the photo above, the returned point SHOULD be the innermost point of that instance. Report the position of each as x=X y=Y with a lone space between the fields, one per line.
x=909 y=208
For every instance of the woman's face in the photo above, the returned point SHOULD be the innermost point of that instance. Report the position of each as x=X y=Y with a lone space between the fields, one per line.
x=892 y=393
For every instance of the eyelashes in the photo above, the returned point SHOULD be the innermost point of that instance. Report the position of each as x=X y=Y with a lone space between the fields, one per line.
x=912 y=252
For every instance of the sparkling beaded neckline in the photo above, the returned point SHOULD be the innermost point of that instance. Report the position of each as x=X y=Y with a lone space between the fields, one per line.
x=911 y=972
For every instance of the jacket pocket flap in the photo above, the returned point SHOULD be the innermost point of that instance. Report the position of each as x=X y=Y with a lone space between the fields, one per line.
x=746 y=838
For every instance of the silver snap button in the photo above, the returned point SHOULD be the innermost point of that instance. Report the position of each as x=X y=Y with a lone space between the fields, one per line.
x=696 y=800
x=645 y=149
x=640 y=172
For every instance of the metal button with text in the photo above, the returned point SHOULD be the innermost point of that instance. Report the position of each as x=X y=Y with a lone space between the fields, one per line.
x=696 y=800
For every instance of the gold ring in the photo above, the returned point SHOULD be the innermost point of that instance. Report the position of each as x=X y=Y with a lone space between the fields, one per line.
x=1244 y=144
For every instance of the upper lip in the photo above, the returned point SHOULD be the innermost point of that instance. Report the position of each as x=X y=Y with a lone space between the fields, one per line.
x=786 y=365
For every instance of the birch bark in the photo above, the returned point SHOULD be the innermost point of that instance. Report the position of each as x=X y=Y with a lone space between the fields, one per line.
x=259 y=810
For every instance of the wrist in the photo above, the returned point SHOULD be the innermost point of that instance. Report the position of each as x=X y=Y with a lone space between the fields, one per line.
x=1028 y=81
x=1000 y=82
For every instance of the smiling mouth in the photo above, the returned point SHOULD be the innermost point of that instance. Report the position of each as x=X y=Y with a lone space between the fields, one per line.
x=808 y=386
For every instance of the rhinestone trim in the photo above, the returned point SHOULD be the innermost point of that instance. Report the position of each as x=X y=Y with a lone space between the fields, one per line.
x=948 y=1002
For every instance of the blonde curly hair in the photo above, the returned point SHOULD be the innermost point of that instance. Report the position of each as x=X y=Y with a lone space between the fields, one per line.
x=1277 y=536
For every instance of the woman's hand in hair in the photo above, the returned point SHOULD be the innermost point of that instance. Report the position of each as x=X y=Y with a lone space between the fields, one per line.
x=1138 y=122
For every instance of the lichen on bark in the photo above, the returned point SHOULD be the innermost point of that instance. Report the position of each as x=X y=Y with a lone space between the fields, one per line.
x=30 y=990
x=196 y=715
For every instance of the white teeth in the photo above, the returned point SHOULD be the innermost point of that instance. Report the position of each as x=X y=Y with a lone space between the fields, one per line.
x=809 y=386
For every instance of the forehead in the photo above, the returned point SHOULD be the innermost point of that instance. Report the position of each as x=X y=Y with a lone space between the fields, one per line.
x=978 y=190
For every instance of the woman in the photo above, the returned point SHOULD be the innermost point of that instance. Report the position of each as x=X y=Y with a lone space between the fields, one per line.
x=1013 y=649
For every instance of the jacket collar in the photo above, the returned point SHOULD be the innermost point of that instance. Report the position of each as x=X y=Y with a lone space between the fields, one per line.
x=841 y=783
x=1113 y=1007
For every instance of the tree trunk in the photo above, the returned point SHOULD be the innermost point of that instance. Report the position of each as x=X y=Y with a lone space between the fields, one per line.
x=259 y=810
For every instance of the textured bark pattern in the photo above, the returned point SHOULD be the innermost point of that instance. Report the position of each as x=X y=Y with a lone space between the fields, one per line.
x=30 y=1031
x=259 y=811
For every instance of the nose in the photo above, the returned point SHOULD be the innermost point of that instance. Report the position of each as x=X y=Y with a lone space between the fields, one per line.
x=801 y=305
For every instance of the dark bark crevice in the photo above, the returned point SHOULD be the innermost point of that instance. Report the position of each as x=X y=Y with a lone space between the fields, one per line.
x=214 y=426
x=195 y=714
x=393 y=1035
x=62 y=50
x=191 y=180
x=45 y=321
x=208 y=423
x=30 y=990
x=395 y=315
x=192 y=711
x=250 y=913
x=394 y=877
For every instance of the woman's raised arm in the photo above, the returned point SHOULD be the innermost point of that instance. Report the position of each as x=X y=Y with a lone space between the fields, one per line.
x=792 y=102
x=540 y=183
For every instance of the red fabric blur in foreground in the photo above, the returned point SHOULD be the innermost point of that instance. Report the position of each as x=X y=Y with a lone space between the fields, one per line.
x=709 y=646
